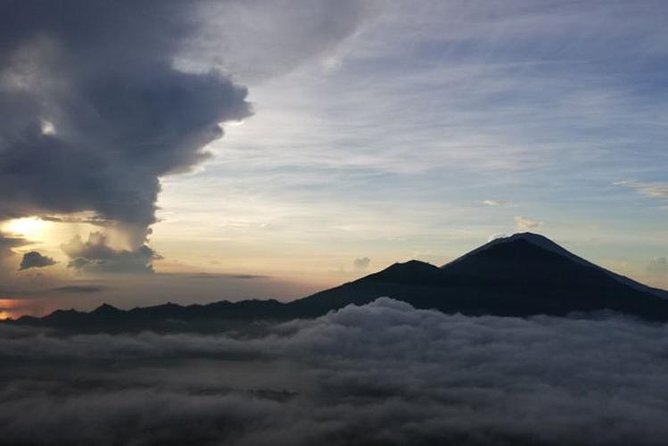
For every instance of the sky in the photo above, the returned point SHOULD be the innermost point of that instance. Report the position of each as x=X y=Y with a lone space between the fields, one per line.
x=207 y=150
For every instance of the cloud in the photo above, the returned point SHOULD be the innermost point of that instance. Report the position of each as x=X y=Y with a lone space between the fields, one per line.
x=8 y=242
x=383 y=373
x=96 y=255
x=526 y=224
x=102 y=99
x=94 y=220
x=361 y=263
x=241 y=37
x=658 y=267
x=120 y=114
x=497 y=235
x=34 y=259
x=497 y=203
x=79 y=289
x=227 y=276
x=648 y=189
x=7 y=256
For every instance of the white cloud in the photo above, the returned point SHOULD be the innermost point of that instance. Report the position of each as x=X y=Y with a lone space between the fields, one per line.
x=497 y=203
x=526 y=224
x=497 y=235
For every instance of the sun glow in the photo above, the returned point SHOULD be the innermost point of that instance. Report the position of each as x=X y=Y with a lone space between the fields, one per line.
x=48 y=128
x=6 y=307
x=31 y=228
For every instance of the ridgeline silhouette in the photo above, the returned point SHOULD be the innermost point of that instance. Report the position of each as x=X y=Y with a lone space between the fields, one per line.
x=521 y=275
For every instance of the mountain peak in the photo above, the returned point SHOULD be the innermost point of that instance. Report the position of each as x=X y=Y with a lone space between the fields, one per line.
x=529 y=236
x=536 y=240
x=411 y=270
x=105 y=309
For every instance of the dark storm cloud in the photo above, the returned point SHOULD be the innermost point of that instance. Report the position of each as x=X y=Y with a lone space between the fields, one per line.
x=383 y=373
x=101 y=98
x=34 y=259
x=96 y=112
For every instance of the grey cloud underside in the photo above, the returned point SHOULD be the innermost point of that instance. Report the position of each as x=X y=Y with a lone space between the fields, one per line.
x=95 y=255
x=6 y=261
x=7 y=242
x=383 y=373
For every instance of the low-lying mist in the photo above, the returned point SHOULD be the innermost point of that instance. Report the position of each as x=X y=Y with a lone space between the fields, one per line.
x=383 y=373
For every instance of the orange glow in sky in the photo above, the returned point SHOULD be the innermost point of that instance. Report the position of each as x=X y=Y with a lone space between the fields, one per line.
x=7 y=307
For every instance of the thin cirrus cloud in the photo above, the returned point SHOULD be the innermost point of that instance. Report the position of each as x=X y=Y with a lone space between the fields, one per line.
x=649 y=189
x=468 y=79
x=497 y=203
x=494 y=102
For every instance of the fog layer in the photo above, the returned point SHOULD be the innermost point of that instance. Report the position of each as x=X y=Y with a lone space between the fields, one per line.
x=384 y=373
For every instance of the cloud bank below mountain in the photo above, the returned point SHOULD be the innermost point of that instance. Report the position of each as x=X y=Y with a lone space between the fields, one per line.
x=383 y=373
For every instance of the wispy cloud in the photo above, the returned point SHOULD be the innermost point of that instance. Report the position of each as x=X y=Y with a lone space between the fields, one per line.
x=361 y=263
x=526 y=224
x=658 y=267
x=497 y=203
x=649 y=189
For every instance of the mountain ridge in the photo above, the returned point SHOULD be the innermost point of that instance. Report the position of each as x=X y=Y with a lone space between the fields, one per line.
x=520 y=275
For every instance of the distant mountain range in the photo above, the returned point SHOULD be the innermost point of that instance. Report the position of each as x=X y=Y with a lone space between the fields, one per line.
x=521 y=275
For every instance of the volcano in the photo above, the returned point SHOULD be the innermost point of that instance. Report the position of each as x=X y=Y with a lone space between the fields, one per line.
x=520 y=275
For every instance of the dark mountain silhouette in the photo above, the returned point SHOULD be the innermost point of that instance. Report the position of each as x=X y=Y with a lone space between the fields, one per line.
x=521 y=275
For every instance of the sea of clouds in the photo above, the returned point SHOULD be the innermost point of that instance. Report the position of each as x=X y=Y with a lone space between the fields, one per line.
x=383 y=373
